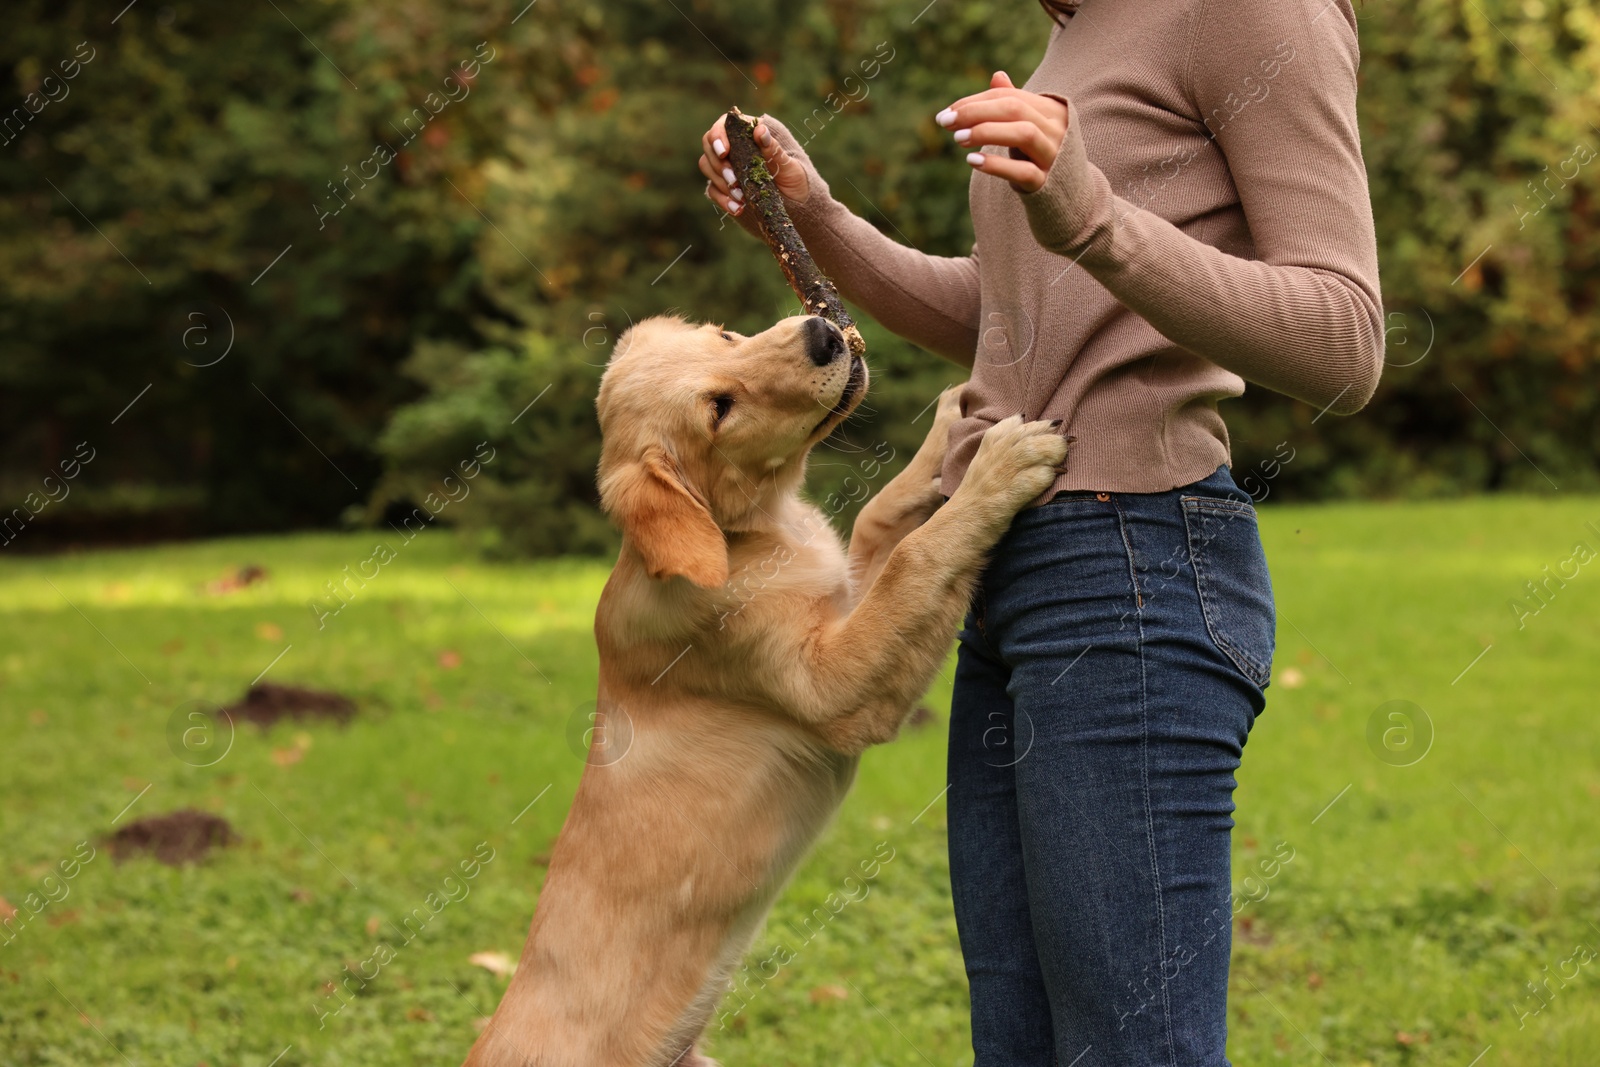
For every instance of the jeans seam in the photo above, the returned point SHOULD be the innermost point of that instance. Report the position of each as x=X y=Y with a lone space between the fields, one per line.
x=980 y=618
x=1144 y=775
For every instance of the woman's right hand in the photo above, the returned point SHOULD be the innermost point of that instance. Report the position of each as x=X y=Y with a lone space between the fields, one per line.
x=720 y=185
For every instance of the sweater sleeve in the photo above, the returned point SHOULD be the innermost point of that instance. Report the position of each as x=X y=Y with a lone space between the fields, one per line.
x=931 y=301
x=1275 y=81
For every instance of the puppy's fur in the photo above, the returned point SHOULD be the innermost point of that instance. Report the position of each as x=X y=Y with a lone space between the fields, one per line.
x=746 y=660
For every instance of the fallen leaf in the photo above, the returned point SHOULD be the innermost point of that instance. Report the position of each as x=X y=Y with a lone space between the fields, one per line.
x=6 y=910
x=38 y=717
x=419 y=1015
x=1405 y=1038
x=372 y=926
x=829 y=992
x=301 y=895
x=284 y=757
x=449 y=659
x=1314 y=980
x=269 y=631
x=1291 y=678
x=496 y=963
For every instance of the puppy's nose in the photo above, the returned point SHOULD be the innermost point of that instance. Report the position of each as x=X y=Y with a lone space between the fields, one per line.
x=824 y=341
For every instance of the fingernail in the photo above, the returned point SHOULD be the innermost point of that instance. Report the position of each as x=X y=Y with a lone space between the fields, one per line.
x=975 y=158
x=717 y=146
x=946 y=118
x=963 y=136
x=735 y=207
x=727 y=175
x=764 y=137
x=738 y=194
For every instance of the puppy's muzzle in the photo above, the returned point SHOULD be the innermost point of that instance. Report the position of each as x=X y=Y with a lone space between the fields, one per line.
x=824 y=341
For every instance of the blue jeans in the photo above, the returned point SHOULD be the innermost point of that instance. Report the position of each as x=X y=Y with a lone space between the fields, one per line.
x=1108 y=674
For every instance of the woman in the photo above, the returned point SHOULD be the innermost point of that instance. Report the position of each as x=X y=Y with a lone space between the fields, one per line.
x=1174 y=204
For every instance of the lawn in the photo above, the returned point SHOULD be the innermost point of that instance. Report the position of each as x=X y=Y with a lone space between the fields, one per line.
x=1423 y=897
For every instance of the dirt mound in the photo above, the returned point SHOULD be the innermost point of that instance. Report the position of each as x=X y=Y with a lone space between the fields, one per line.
x=237 y=579
x=266 y=703
x=179 y=837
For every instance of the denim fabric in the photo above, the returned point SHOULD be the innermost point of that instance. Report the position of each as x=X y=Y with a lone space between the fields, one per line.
x=1108 y=675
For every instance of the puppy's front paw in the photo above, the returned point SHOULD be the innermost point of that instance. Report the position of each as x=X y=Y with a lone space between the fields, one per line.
x=1016 y=461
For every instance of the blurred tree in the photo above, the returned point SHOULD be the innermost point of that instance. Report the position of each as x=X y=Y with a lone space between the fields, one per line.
x=287 y=183
x=1477 y=132
x=311 y=183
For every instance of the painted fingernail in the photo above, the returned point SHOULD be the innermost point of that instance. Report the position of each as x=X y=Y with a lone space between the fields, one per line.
x=738 y=194
x=975 y=158
x=963 y=136
x=718 y=147
x=727 y=175
x=735 y=207
x=946 y=118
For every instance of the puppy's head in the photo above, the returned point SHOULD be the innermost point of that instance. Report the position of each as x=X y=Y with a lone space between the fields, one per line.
x=705 y=430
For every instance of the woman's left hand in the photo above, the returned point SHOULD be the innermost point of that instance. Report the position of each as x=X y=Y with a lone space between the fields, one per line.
x=1009 y=117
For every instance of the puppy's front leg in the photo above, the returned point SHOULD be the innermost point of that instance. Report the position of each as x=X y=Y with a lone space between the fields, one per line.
x=906 y=502
x=853 y=679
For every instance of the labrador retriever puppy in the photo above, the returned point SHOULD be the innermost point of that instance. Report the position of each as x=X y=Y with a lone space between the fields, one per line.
x=746 y=660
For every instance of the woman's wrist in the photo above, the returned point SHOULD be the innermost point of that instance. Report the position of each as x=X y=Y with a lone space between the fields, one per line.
x=1071 y=213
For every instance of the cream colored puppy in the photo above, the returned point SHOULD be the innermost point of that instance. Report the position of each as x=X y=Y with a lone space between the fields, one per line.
x=746 y=660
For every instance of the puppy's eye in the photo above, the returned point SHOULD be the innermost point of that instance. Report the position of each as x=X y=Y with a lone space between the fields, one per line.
x=721 y=405
x=726 y=336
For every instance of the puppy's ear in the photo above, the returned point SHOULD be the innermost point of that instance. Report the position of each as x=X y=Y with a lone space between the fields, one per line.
x=665 y=523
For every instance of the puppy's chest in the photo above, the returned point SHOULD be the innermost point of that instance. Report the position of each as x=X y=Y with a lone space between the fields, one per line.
x=765 y=575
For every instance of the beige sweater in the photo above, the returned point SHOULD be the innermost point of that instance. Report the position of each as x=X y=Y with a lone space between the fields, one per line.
x=1206 y=223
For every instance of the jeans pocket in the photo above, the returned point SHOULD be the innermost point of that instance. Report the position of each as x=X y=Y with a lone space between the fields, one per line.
x=1230 y=572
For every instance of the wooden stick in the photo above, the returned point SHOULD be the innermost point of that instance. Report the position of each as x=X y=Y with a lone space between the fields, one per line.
x=761 y=195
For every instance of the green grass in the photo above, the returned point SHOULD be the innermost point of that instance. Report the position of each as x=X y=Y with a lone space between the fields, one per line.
x=1418 y=904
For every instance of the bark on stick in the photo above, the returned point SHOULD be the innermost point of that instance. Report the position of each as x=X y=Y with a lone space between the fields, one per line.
x=761 y=195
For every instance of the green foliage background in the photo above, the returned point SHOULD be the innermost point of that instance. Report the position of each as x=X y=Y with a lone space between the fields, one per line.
x=496 y=259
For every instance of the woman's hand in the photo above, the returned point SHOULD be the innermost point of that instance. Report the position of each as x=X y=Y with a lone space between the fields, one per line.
x=723 y=190
x=1009 y=117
